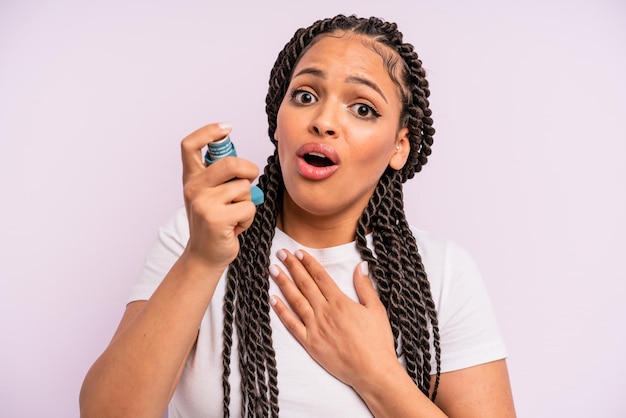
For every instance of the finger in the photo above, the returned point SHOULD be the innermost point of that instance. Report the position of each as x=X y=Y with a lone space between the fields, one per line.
x=296 y=300
x=204 y=194
x=326 y=285
x=363 y=285
x=237 y=190
x=245 y=212
x=288 y=318
x=192 y=144
x=302 y=277
x=241 y=189
x=238 y=215
x=229 y=168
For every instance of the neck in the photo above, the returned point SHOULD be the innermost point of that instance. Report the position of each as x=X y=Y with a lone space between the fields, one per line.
x=316 y=231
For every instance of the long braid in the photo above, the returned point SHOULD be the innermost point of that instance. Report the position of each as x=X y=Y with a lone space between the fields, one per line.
x=396 y=267
x=424 y=304
x=247 y=291
x=395 y=262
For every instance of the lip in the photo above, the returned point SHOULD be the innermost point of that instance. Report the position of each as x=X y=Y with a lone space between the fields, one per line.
x=312 y=172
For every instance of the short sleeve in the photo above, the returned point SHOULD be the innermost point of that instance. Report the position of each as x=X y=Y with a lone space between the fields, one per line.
x=469 y=333
x=171 y=240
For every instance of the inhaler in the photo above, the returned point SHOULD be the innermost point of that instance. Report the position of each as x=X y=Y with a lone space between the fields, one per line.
x=225 y=148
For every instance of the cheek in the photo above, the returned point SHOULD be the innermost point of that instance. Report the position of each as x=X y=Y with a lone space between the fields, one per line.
x=370 y=164
x=379 y=154
x=281 y=149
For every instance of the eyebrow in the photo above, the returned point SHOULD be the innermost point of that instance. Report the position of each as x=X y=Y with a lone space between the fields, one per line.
x=352 y=79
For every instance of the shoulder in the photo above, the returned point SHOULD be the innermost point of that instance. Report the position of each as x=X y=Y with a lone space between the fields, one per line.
x=450 y=268
x=442 y=256
x=467 y=324
x=169 y=244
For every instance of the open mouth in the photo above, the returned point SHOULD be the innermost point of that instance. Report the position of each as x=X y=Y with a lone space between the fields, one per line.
x=317 y=160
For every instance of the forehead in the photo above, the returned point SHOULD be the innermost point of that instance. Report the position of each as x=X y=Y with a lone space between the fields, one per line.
x=346 y=52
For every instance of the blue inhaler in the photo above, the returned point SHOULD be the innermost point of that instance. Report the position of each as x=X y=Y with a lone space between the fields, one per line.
x=224 y=148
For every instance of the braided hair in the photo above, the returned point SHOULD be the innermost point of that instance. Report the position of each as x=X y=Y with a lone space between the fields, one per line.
x=395 y=263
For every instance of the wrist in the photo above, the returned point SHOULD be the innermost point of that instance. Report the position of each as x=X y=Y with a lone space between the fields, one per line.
x=392 y=393
x=375 y=382
x=198 y=266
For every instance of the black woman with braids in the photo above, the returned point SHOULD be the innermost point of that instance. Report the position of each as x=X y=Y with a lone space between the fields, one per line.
x=322 y=301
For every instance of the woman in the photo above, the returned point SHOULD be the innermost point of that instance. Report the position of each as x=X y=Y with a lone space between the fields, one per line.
x=322 y=301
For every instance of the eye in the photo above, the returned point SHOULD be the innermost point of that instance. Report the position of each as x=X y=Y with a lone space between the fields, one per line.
x=303 y=97
x=365 y=111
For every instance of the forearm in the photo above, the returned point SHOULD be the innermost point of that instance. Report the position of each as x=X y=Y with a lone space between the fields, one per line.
x=395 y=395
x=136 y=374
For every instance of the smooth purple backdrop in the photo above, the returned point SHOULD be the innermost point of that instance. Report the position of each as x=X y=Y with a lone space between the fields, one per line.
x=527 y=170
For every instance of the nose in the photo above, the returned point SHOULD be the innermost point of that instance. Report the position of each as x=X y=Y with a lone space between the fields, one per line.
x=328 y=132
x=325 y=122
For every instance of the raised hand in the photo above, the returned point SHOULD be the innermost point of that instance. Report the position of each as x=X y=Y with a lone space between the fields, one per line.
x=218 y=209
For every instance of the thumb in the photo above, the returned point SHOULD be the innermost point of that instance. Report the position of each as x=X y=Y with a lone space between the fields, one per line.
x=363 y=284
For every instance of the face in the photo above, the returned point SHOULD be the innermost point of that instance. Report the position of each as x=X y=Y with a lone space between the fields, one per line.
x=338 y=127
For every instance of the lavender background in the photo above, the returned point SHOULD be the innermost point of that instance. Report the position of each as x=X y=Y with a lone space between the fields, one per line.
x=527 y=170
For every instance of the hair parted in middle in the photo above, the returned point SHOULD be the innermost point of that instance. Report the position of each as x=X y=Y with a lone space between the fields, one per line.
x=395 y=263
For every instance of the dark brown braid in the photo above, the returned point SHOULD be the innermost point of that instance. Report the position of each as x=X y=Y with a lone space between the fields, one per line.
x=395 y=263
x=401 y=280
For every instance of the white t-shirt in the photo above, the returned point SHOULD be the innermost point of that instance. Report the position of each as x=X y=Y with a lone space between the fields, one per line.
x=468 y=330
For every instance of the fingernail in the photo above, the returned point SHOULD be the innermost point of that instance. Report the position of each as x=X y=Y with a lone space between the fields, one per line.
x=281 y=254
x=273 y=300
x=274 y=272
x=364 y=268
x=299 y=255
x=225 y=125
